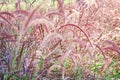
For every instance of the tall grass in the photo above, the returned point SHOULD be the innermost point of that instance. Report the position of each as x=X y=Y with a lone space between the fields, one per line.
x=75 y=41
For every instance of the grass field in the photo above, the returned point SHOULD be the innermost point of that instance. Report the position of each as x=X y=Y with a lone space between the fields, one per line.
x=56 y=40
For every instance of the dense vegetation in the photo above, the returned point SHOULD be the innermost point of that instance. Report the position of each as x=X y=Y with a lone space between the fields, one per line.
x=59 y=39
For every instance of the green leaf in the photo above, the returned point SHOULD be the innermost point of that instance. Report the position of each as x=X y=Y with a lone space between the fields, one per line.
x=38 y=68
x=117 y=75
x=112 y=63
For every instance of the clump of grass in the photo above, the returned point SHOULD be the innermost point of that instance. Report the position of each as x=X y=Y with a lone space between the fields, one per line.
x=70 y=41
